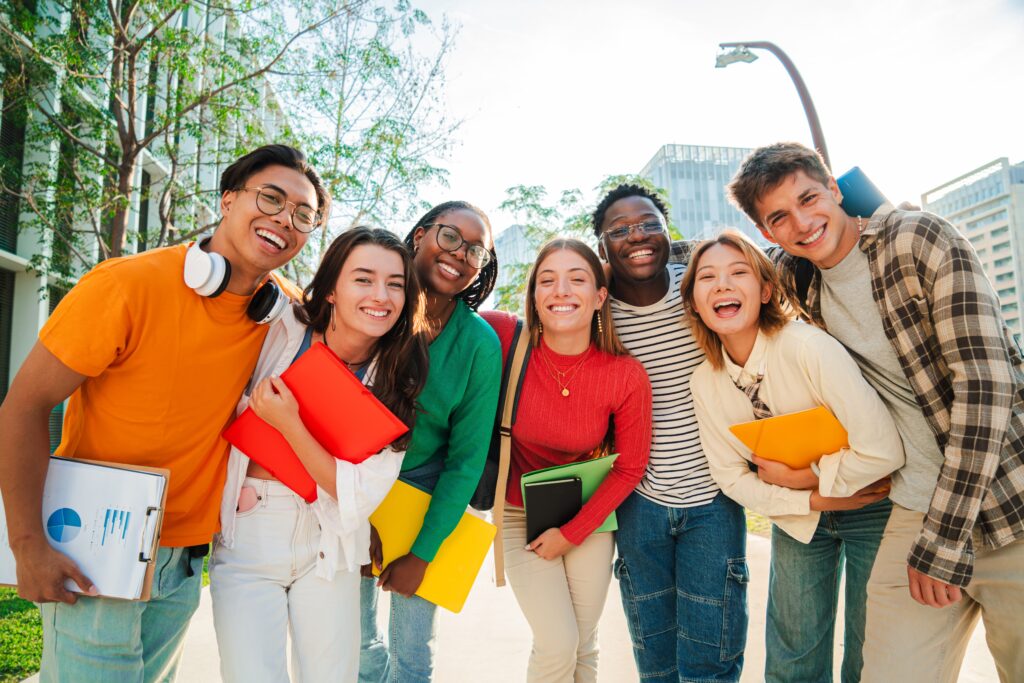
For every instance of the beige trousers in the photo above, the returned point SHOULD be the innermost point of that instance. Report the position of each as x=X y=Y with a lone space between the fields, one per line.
x=906 y=641
x=562 y=600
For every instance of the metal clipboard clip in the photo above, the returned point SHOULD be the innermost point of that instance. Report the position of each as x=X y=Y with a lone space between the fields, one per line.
x=148 y=533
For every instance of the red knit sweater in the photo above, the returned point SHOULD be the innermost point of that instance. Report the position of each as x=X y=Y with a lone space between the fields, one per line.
x=552 y=429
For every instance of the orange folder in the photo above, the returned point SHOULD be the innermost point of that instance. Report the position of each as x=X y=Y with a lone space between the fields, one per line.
x=337 y=409
x=796 y=439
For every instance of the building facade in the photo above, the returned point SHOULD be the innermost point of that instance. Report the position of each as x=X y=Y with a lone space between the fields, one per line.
x=695 y=177
x=987 y=205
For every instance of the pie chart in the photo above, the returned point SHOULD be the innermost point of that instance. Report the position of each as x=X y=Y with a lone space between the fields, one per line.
x=64 y=525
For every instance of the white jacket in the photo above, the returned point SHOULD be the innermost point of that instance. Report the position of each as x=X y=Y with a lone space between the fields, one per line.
x=344 y=523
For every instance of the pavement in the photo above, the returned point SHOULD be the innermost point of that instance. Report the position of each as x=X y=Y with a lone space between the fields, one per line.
x=500 y=637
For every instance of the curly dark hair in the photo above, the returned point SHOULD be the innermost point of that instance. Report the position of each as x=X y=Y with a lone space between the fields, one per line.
x=482 y=286
x=621 y=192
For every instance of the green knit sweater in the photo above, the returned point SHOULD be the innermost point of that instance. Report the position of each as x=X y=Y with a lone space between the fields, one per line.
x=455 y=424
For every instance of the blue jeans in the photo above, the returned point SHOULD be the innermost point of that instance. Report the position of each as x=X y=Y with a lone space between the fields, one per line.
x=409 y=654
x=683 y=577
x=412 y=624
x=102 y=639
x=804 y=589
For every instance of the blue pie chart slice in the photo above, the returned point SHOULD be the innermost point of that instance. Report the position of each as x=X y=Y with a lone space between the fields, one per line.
x=64 y=525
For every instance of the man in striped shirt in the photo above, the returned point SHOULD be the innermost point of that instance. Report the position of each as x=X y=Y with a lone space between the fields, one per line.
x=681 y=542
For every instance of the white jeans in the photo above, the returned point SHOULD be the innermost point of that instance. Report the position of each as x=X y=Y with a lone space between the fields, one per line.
x=265 y=586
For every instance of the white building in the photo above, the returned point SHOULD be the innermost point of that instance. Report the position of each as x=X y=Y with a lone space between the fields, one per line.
x=987 y=205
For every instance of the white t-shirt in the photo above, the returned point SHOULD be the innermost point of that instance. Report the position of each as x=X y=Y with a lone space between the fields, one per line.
x=659 y=337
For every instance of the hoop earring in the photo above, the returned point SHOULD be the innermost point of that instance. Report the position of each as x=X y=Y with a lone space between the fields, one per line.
x=600 y=329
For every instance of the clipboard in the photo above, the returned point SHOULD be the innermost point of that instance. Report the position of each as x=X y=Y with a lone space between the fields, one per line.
x=66 y=525
x=339 y=411
x=795 y=439
x=591 y=473
x=451 y=575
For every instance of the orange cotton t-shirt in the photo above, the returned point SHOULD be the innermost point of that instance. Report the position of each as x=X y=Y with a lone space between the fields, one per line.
x=165 y=368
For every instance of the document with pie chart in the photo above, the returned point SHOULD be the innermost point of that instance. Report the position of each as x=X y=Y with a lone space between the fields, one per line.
x=104 y=516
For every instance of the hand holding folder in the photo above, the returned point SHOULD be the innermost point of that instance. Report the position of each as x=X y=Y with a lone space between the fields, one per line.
x=591 y=473
x=796 y=439
x=337 y=409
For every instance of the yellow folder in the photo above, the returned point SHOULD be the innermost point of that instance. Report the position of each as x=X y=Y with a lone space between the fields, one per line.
x=450 y=576
x=796 y=439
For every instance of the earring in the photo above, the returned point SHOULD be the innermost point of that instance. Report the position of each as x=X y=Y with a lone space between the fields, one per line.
x=334 y=326
x=600 y=329
x=540 y=327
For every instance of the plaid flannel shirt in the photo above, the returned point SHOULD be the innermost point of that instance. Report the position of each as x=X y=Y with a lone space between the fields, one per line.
x=942 y=317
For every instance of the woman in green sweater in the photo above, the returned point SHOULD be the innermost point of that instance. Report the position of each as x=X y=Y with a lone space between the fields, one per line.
x=454 y=256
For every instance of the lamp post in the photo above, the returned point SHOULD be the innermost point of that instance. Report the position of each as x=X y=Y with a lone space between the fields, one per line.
x=741 y=53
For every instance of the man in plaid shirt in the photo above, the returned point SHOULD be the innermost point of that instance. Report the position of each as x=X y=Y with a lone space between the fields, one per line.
x=905 y=293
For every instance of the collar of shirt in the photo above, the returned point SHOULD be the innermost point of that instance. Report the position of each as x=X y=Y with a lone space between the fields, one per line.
x=755 y=365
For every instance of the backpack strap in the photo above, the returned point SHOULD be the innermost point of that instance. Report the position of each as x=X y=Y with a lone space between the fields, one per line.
x=520 y=353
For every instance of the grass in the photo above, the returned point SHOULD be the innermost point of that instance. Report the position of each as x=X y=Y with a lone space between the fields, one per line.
x=21 y=634
x=21 y=637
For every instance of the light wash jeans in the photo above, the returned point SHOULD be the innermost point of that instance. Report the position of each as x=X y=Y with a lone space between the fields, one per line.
x=683 y=577
x=106 y=640
x=803 y=592
x=409 y=654
x=410 y=651
x=265 y=587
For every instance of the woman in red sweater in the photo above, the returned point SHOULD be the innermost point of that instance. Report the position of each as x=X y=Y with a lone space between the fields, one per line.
x=579 y=381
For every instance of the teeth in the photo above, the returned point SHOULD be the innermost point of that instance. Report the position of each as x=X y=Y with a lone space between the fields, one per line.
x=641 y=253
x=272 y=237
x=375 y=312
x=448 y=269
x=726 y=303
x=563 y=309
x=816 y=235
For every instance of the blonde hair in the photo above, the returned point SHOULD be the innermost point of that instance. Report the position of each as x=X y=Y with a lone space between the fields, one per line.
x=606 y=339
x=773 y=315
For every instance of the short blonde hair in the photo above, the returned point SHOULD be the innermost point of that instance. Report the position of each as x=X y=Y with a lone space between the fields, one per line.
x=773 y=316
x=606 y=338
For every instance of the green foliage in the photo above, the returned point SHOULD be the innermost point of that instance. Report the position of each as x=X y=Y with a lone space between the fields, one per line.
x=180 y=88
x=21 y=637
x=542 y=220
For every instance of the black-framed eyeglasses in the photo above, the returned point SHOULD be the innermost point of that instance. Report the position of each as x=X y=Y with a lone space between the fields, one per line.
x=646 y=228
x=271 y=202
x=450 y=239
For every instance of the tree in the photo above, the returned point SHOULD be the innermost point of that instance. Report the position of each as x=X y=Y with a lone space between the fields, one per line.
x=147 y=100
x=541 y=221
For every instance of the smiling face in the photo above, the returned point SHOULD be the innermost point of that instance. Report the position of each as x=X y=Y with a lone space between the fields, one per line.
x=254 y=242
x=369 y=294
x=641 y=257
x=803 y=216
x=448 y=273
x=728 y=295
x=565 y=294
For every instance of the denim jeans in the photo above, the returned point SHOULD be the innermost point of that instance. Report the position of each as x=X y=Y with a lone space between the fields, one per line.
x=103 y=640
x=683 y=577
x=412 y=623
x=409 y=654
x=803 y=591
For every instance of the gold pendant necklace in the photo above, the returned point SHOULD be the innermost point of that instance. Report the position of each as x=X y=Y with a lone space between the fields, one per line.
x=564 y=377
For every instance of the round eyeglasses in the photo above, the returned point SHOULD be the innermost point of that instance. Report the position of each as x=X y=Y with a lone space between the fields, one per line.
x=450 y=239
x=647 y=228
x=270 y=202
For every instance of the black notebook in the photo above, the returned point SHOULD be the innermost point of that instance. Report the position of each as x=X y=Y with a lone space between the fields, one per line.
x=551 y=504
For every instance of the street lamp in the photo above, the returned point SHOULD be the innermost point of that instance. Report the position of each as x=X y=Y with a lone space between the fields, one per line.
x=741 y=53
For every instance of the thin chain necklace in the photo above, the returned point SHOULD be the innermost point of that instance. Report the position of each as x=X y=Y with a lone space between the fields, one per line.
x=563 y=377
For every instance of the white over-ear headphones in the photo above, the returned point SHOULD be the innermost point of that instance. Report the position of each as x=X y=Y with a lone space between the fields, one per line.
x=208 y=274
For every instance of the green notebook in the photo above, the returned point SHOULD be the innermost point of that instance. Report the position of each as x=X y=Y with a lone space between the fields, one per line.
x=591 y=474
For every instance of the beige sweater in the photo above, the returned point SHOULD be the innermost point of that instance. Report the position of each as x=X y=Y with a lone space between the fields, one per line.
x=803 y=368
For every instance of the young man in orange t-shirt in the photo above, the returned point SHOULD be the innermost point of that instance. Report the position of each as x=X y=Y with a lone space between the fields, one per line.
x=153 y=359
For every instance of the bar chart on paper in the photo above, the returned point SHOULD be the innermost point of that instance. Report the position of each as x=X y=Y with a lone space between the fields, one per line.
x=115 y=526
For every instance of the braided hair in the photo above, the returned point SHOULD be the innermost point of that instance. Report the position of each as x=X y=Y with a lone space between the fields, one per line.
x=482 y=286
x=621 y=192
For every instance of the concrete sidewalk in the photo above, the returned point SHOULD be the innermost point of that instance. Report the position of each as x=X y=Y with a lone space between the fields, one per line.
x=500 y=638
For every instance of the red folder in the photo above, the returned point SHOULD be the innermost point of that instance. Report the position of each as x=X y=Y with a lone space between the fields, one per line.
x=337 y=409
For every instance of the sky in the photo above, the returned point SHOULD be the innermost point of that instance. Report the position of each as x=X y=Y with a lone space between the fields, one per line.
x=562 y=93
